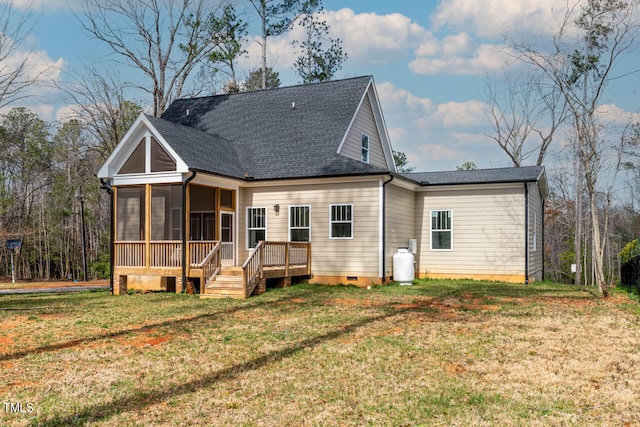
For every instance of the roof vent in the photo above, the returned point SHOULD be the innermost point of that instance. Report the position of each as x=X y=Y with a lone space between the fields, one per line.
x=187 y=111
x=293 y=105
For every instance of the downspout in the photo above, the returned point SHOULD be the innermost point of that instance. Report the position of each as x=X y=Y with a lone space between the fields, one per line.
x=526 y=233
x=104 y=185
x=184 y=230
x=384 y=227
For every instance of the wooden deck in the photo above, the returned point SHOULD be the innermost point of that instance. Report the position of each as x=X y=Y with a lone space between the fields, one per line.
x=269 y=260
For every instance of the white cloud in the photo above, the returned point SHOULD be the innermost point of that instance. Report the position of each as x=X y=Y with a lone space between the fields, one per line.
x=493 y=19
x=486 y=58
x=396 y=99
x=457 y=114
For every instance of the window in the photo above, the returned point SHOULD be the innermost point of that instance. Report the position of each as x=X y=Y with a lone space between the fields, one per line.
x=300 y=223
x=256 y=226
x=365 y=148
x=341 y=221
x=441 y=230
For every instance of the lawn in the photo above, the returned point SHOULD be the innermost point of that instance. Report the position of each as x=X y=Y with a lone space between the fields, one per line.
x=436 y=353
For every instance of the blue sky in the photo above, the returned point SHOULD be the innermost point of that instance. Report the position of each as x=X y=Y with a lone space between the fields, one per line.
x=430 y=61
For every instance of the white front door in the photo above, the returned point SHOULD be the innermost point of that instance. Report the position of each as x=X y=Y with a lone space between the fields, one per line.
x=227 y=238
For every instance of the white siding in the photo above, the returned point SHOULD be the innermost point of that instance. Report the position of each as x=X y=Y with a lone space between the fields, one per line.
x=330 y=257
x=364 y=122
x=400 y=222
x=488 y=230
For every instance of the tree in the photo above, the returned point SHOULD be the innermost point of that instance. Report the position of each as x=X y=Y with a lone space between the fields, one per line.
x=15 y=73
x=528 y=106
x=276 y=18
x=319 y=56
x=402 y=163
x=227 y=34
x=164 y=39
x=102 y=108
x=581 y=68
x=254 y=80
x=467 y=166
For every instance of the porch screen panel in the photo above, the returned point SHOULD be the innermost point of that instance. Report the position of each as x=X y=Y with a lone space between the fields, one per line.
x=166 y=212
x=130 y=213
x=135 y=162
x=161 y=161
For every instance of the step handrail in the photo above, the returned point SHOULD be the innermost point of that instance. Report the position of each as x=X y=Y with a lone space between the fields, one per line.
x=211 y=266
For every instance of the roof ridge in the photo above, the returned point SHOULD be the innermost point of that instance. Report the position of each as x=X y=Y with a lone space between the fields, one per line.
x=273 y=89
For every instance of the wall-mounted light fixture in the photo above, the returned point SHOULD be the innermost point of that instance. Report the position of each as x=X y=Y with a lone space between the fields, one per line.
x=276 y=209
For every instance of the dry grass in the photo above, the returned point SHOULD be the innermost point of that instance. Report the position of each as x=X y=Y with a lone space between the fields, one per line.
x=438 y=353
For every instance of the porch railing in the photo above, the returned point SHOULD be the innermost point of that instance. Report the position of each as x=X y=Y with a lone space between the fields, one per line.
x=129 y=254
x=165 y=253
x=162 y=253
x=199 y=249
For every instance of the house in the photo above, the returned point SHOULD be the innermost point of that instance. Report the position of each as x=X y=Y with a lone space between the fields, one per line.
x=227 y=191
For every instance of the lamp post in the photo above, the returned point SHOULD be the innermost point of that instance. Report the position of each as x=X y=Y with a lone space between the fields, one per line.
x=80 y=197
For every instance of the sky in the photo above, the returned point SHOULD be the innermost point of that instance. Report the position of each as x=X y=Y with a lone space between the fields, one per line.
x=430 y=60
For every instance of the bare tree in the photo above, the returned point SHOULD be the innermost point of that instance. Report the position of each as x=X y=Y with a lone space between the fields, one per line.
x=15 y=74
x=102 y=108
x=164 y=39
x=590 y=42
x=525 y=113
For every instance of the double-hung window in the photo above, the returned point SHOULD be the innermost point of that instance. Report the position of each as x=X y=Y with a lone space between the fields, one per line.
x=300 y=223
x=441 y=230
x=341 y=221
x=365 y=148
x=256 y=226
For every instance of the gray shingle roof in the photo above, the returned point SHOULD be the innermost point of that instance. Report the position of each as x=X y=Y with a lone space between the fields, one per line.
x=289 y=132
x=478 y=176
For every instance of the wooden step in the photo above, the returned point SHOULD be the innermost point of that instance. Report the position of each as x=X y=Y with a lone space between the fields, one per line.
x=227 y=281
x=224 y=292
x=232 y=271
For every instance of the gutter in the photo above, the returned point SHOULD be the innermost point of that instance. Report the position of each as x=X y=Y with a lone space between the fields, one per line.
x=107 y=187
x=526 y=233
x=384 y=228
x=184 y=230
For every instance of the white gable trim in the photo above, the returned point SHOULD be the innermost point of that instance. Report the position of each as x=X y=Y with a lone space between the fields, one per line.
x=141 y=130
x=380 y=124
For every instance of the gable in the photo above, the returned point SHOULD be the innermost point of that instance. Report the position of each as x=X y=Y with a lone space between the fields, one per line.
x=142 y=151
x=368 y=122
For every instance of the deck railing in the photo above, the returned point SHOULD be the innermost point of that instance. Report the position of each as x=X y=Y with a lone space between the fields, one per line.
x=274 y=255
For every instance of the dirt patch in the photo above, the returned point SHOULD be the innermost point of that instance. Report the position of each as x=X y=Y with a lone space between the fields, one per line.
x=146 y=338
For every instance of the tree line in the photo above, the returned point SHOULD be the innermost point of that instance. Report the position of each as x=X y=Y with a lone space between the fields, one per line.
x=177 y=49
x=560 y=94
